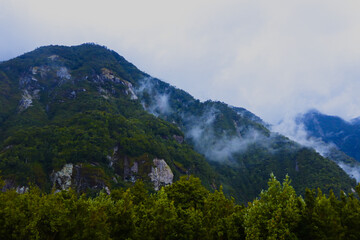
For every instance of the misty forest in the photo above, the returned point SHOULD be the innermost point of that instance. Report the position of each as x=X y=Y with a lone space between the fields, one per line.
x=92 y=147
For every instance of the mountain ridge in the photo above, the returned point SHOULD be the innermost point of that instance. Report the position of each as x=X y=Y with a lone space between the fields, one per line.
x=94 y=100
x=333 y=129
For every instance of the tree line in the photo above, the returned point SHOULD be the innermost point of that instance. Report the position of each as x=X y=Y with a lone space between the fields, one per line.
x=183 y=210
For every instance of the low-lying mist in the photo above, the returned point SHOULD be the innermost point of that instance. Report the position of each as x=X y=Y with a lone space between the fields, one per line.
x=219 y=146
x=152 y=101
x=295 y=130
x=200 y=123
x=201 y=126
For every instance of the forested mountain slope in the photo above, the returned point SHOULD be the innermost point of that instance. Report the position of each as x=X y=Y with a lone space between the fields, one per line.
x=75 y=116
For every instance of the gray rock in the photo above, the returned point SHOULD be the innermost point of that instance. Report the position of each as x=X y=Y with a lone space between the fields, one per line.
x=130 y=90
x=107 y=190
x=135 y=168
x=161 y=174
x=22 y=189
x=130 y=173
x=53 y=57
x=26 y=101
x=62 y=178
x=63 y=73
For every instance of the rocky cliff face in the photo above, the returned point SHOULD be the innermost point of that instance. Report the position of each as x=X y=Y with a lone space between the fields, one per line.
x=79 y=177
x=130 y=173
x=62 y=178
x=161 y=174
x=132 y=169
x=11 y=184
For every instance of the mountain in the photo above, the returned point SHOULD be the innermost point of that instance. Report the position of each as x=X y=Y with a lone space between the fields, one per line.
x=332 y=129
x=84 y=117
x=238 y=144
x=70 y=121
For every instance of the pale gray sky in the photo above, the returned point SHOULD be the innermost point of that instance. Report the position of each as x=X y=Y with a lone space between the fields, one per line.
x=275 y=58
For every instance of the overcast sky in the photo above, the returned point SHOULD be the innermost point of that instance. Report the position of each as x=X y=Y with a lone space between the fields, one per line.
x=275 y=58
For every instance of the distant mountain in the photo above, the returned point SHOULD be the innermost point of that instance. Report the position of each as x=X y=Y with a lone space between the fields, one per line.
x=332 y=129
x=84 y=117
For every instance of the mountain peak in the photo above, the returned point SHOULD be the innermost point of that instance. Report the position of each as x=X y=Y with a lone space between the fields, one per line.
x=87 y=106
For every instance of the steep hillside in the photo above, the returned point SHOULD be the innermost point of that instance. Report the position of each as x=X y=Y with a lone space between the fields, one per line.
x=75 y=116
x=239 y=145
x=71 y=118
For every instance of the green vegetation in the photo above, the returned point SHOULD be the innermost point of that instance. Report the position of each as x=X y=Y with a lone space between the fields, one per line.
x=184 y=210
x=306 y=167
x=80 y=112
x=239 y=147
x=86 y=106
x=89 y=138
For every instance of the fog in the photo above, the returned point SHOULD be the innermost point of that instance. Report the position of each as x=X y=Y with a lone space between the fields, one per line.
x=295 y=130
x=214 y=143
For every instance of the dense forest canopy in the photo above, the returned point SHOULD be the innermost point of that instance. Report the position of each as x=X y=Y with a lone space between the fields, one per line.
x=183 y=210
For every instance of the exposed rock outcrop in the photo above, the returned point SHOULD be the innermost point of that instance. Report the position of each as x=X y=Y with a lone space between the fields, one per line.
x=88 y=177
x=113 y=158
x=108 y=75
x=42 y=70
x=26 y=101
x=31 y=83
x=130 y=90
x=11 y=184
x=22 y=189
x=31 y=88
x=62 y=178
x=161 y=174
x=81 y=178
x=130 y=172
x=53 y=57
x=63 y=73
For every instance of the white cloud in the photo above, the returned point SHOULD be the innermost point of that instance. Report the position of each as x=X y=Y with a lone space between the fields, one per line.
x=296 y=132
x=272 y=57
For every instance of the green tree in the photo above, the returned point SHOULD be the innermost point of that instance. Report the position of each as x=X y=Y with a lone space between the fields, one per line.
x=326 y=218
x=122 y=215
x=350 y=217
x=187 y=192
x=157 y=219
x=220 y=216
x=276 y=214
